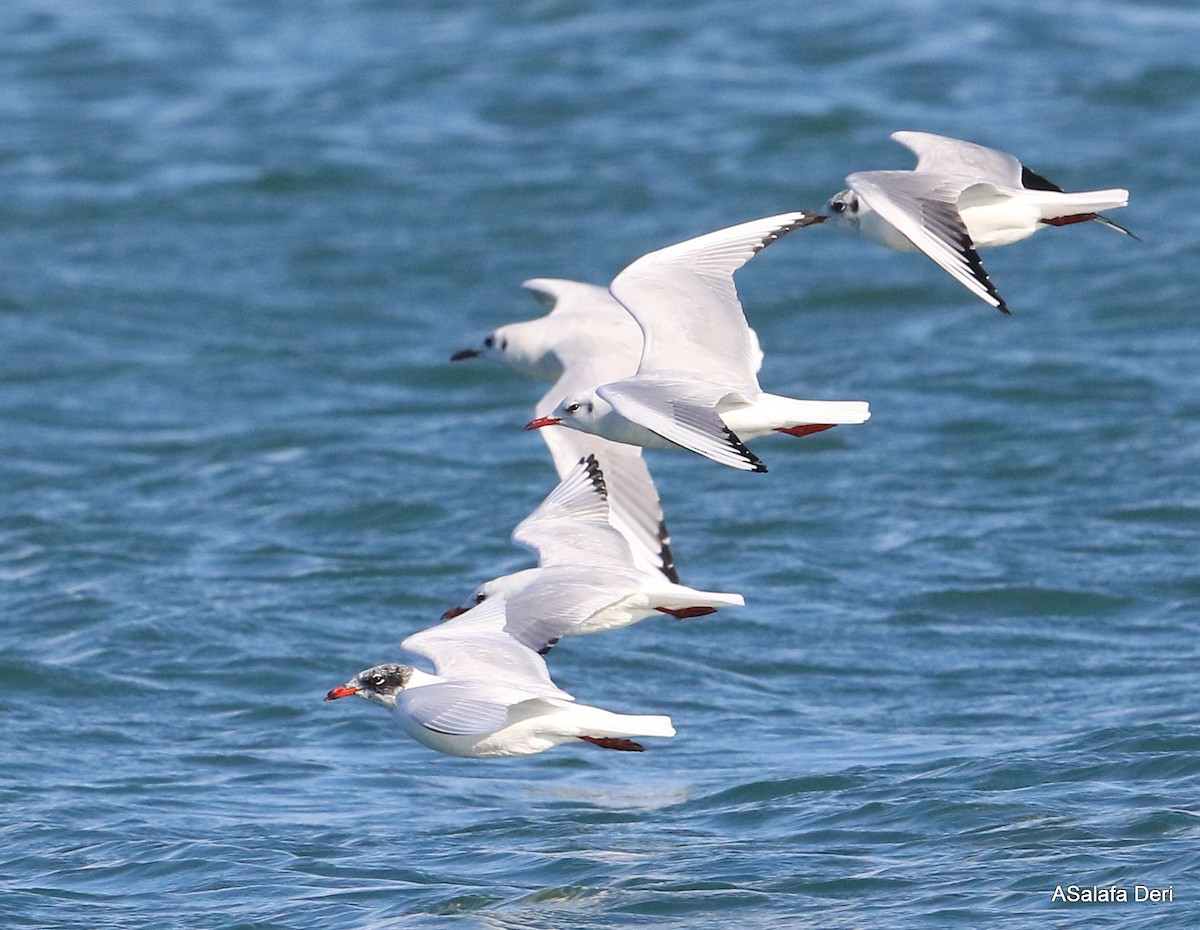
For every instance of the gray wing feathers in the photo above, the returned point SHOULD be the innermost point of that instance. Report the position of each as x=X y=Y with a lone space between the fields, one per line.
x=684 y=299
x=470 y=708
x=579 y=499
x=542 y=614
x=690 y=423
x=565 y=296
x=634 y=508
x=475 y=645
x=453 y=707
x=945 y=155
x=929 y=217
x=572 y=523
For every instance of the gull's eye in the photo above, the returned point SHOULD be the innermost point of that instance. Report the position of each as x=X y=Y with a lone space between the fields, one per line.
x=572 y=408
x=480 y=598
x=838 y=206
x=378 y=680
x=489 y=341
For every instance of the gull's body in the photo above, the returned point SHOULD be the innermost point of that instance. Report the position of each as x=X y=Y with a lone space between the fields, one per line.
x=961 y=197
x=588 y=338
x=490 y=694
x=586 y=580
x=696 y=384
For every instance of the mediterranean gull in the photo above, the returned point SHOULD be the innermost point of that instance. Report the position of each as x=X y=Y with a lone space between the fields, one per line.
x=490 y=693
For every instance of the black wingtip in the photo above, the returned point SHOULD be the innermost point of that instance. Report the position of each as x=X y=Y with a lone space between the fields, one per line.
x=805 y=218
x=1032 y=181
x=979 y=273
x=945 y=219
x=665 y=554
x=750 y=458
x=595 y=474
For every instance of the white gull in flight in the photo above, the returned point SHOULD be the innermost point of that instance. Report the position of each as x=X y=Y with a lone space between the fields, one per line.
x=490 y=693
x=586 y=339
x=696 y=384
x=961 y=197
x=586 y=580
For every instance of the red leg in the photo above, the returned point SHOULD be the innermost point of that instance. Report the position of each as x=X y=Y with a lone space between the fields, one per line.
x=686 y=613
x=1068 y=220
x=807 y=429
x=613 y=742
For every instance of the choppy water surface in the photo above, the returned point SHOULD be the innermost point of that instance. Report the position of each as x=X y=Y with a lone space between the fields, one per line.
x=240 y=241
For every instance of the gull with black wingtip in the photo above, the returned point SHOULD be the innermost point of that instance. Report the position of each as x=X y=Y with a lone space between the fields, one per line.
x=962 y=197
x=586 y=580
x=696 y=386
x=490 y=693
x=587 y=338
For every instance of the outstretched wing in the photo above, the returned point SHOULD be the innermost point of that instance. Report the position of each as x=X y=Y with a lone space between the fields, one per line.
x=475 y=646
x=559 y=602
x=945 y=155
x=572 y=523
x=466 y=708
x=682 y=412
x=597 y=341
x=683 y=297
x=634 y=508
x=926 y=211
x=570 y=298
x=458 y=708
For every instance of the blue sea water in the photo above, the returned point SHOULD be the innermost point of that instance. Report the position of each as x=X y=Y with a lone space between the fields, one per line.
x=241 y=240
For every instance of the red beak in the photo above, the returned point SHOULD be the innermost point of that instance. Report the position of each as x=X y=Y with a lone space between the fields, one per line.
x=454 y=612
x=340 y=691
x=542 y=421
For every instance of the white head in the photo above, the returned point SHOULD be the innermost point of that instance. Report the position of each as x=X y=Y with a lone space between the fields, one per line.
x=504 y=586
x=845 y=209
x=583 y=411
x=519 y=346
x=494 y=345
x=378 y=684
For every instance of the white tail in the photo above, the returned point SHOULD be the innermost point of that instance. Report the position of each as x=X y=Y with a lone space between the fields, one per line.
x=681 y=596
x=1054 y=204
x=593 y=721
x=645 y=725
x=771 y=412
